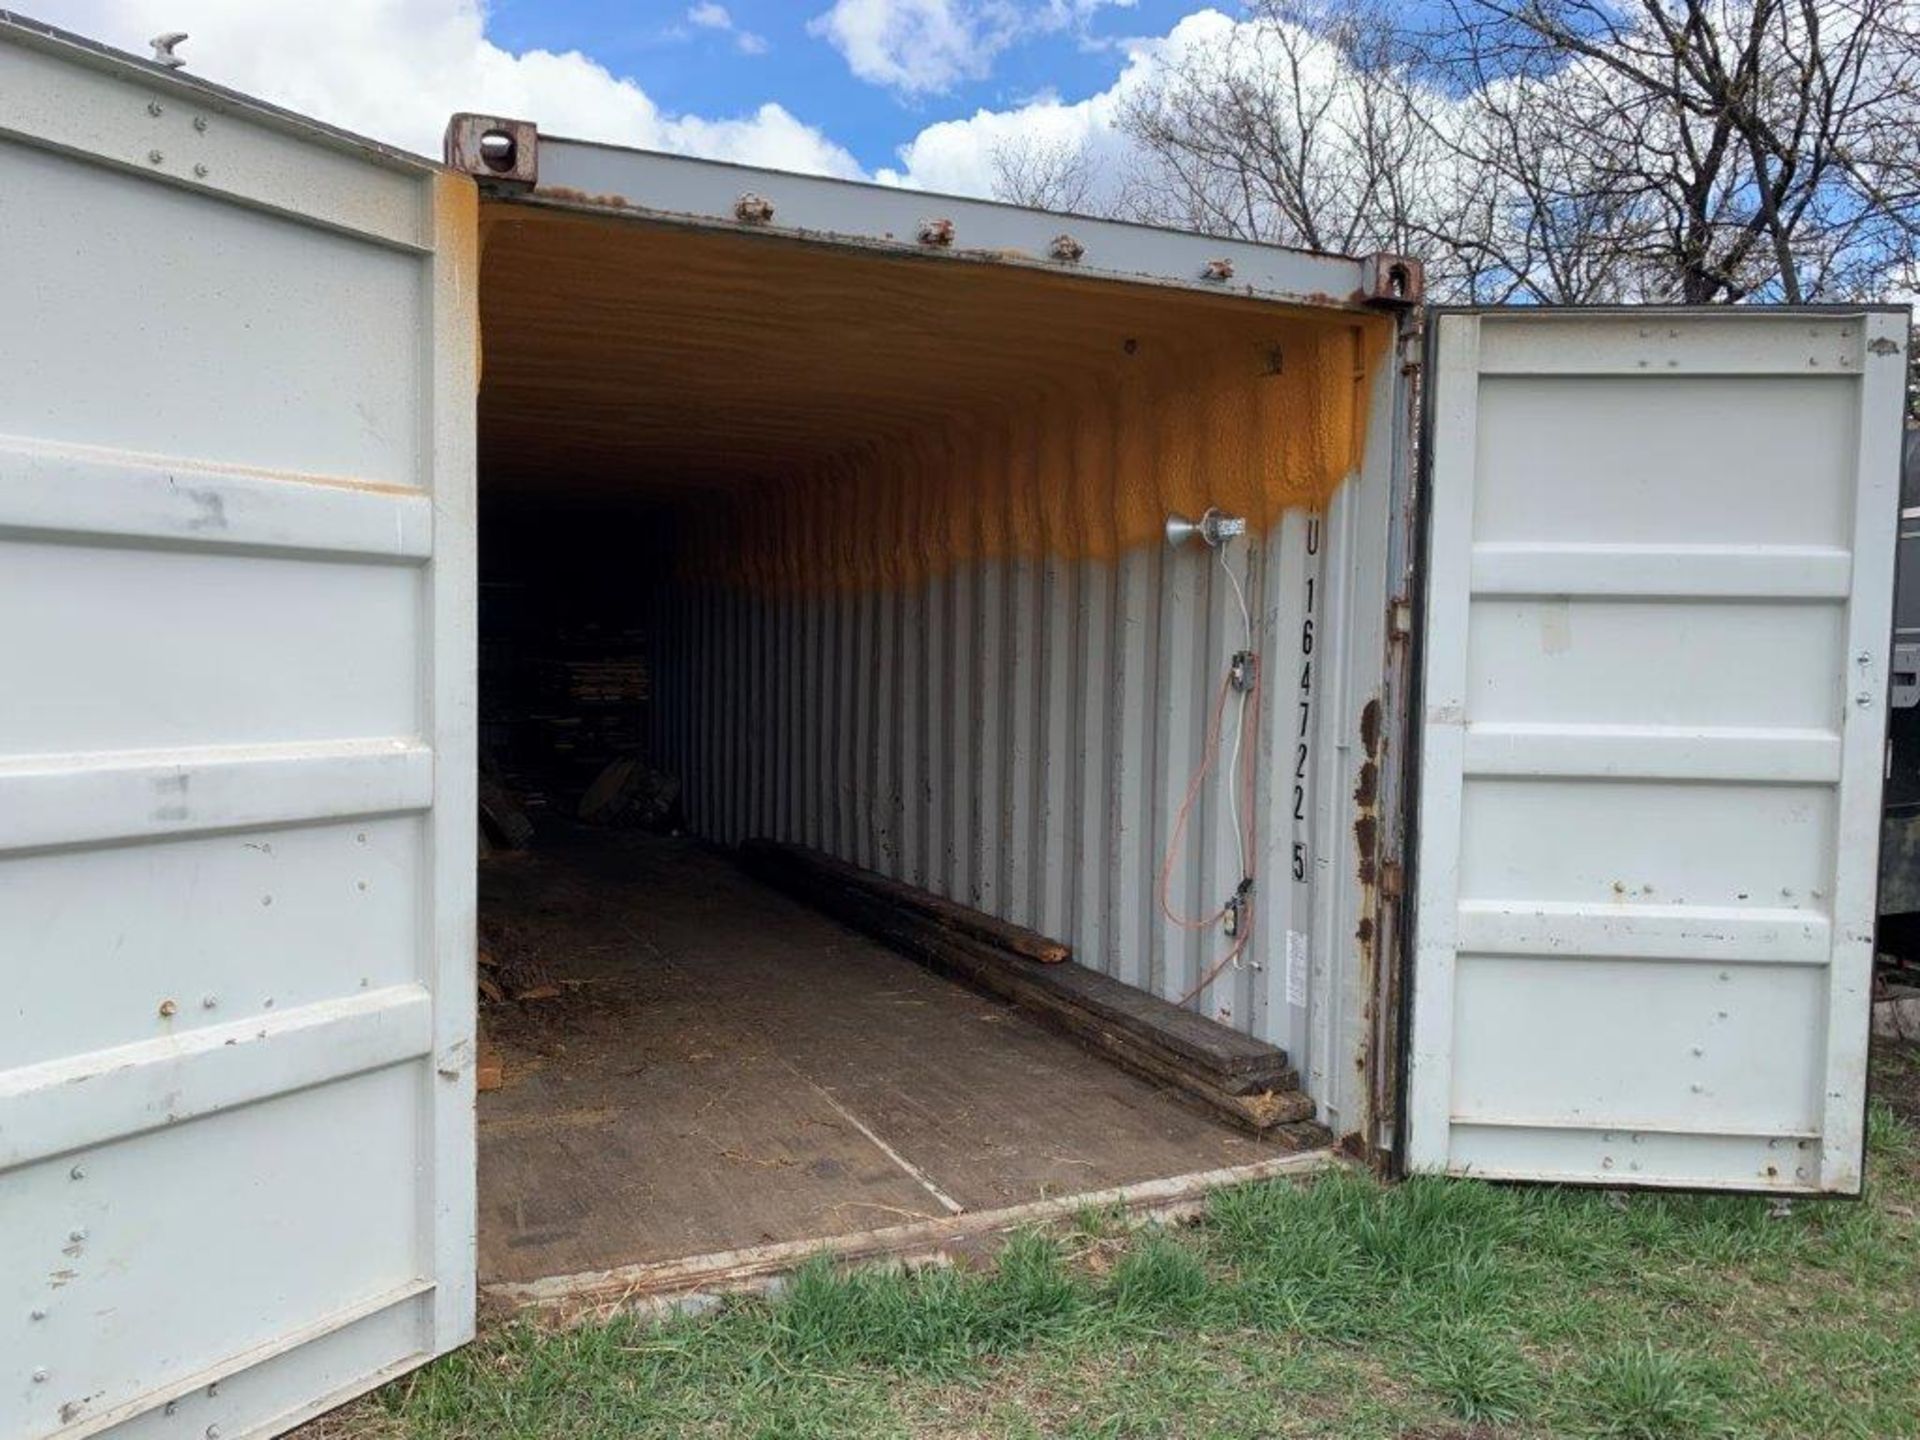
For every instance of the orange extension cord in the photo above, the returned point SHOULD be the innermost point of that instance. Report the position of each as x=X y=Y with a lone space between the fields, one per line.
x=1210 y=755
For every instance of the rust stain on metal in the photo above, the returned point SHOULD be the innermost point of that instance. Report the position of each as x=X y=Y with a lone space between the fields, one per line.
x=493 y=148
x=1366 y=792
x=752 y=209
x=1394 y=281
x=1066 y=248
x=1366 y=835
x=1366 y=933
x=937 y=232
x=1219 y=269
x=568 y=195
x=1370 y=729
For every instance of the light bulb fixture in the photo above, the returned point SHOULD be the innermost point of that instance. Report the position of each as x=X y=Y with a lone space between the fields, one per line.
x=1216 y=527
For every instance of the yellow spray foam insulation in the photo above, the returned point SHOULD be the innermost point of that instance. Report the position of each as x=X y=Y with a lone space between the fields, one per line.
x=835 y=417
x=1086 y=473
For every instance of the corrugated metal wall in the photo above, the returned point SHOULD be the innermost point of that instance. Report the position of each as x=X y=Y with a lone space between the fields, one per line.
x=1019 y=731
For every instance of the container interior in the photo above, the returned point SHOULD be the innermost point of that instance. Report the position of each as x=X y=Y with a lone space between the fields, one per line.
x=866 y=552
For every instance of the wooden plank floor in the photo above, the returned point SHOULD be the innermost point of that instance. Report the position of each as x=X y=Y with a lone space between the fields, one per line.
x=724 y=1068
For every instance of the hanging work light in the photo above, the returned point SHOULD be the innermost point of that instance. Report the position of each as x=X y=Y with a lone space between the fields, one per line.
x=1214 y=526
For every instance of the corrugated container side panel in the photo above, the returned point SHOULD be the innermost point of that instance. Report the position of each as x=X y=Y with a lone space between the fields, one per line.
x=1019 y=729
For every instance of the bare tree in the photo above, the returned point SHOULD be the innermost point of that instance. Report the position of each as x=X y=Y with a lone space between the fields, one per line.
x=1297 y=129
x=1696 y=150
x=1053 y=174
x=1546 y=150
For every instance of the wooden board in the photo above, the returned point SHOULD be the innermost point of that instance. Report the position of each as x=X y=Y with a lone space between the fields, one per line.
x=727 y=1068
x=820 y=868
x=1107 y=1011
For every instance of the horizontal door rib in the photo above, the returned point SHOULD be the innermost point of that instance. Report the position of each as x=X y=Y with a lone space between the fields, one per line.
x=1728 y=934
x=1663 y=572
x=1653 y=752
x=90 y=1099
x=1605 y=1126
x=48 y=800
x=77 y=493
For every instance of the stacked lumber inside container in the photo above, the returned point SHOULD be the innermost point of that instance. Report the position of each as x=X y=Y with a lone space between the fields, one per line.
x=1237 y=1077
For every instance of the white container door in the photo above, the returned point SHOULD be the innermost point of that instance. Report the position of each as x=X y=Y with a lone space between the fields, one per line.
x=1660 y=581
x=236 y=756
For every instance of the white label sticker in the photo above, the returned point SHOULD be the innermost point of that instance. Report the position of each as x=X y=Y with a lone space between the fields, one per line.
x=1297 y=968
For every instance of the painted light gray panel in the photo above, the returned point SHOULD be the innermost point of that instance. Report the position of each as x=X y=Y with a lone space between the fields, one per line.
x=1649 y=804
x=236 y=757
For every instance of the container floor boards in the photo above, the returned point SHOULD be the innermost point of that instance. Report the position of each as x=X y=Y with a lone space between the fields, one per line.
x=724 y=1068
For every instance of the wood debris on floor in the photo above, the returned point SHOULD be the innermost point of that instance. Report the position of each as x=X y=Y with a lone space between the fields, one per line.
x=725 y=1068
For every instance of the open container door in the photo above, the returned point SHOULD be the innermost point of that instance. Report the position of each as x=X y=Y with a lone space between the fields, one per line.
x=1657 y=624
x=236 y=755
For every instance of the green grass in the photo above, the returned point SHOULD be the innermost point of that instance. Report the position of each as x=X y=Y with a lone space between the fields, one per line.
x=1335 y=1308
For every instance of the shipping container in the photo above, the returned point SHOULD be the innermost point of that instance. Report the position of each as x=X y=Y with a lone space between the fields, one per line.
x=1073 y=573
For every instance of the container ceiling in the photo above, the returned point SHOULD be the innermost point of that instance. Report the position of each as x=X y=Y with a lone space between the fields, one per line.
x=624 y=356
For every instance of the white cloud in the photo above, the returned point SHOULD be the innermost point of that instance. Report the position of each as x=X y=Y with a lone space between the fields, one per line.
x=922 y=47
x=396 y=69
x=709 y=16
x=956 y=156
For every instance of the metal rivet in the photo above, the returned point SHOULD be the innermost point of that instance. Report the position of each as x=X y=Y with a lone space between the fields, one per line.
x=200 y=172
x=172 y=1408
x=36 y=1314
x=200 y=123
x=208 y=1002
x=266 y=899
x=155 y=157
x=153 y=107
x=1863 y=699
x=213 y=1432
x=39 y=1377
x=78 y=1172
x=167 y=1009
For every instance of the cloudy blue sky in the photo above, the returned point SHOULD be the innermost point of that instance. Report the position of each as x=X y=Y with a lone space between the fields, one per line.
x=870 y=87
x=907 y=91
